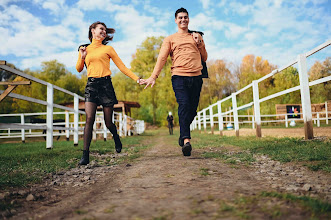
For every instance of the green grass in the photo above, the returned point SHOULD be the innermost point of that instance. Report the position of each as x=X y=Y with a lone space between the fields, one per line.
x=234 y=158
x=244 y=206
x=22 y=164
x=204 y=171
x=316 y=206
x=316 y=154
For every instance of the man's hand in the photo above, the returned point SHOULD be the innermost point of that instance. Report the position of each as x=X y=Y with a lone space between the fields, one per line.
x=196 y=37
x=149 y=81
x=83 y=52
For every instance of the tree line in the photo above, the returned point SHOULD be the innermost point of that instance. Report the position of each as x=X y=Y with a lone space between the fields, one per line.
x=224 y=78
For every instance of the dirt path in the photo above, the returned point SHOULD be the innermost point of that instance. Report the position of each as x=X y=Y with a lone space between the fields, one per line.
x=162 y=184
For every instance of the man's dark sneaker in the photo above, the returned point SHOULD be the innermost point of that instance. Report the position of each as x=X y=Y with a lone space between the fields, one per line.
x=85 y=158
x=186 y=149
x=181 y=141
x=118 y=143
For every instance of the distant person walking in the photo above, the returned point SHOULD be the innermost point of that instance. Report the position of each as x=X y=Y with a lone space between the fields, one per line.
x=186 y=50
x=99 y=89
x=170 y=120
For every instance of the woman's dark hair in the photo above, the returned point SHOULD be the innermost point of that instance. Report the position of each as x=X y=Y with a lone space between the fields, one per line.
x=108 y=31
x=180 y=10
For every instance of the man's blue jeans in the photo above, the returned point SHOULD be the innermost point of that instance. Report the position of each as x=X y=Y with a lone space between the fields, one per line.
x=187 y=90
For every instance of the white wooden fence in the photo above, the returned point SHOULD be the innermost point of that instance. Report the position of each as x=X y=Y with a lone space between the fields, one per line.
x=125 y=127
x=126 y=124
x=202 y=118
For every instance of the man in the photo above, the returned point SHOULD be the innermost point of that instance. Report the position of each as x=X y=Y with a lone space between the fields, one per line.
x=186 y=51
x=170 y=120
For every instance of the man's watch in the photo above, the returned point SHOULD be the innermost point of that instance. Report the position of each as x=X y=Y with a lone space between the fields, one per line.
x=138 y=80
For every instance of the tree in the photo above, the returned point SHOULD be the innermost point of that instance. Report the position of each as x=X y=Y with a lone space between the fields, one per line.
x=220 y=84
x=160 y=99
x=321 y=92
x=283 y=80
x=253 y=68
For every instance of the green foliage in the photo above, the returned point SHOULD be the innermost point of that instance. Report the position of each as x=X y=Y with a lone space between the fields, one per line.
x=155 y=102
x=321 y=92
x=221 y=83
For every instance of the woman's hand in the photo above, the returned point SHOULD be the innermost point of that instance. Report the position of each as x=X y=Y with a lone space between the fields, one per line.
x=83 y=52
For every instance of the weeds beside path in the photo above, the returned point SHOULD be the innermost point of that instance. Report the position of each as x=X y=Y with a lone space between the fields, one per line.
x=162 y=184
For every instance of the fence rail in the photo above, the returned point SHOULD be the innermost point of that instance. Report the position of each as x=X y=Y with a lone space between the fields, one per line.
x=307 y=114
x=127 y=125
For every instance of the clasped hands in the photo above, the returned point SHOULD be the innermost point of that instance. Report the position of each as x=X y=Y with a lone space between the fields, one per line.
x=147 y=82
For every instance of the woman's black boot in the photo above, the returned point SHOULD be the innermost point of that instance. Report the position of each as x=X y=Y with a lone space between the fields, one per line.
x=86 y=158
x=118 y=143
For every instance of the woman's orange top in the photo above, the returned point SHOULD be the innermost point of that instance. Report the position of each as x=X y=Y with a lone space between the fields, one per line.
x=97 y=61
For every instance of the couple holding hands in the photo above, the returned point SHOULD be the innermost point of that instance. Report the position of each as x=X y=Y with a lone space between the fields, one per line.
x=186 y=49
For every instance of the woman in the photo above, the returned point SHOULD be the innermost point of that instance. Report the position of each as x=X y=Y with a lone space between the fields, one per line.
x=99 y=89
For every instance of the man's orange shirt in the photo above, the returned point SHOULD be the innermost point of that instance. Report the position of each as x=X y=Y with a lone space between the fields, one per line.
x=97 y=61
x=185 y=54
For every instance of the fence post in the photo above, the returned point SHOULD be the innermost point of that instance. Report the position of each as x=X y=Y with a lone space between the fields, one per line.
x=220 y=118
x=235 y=114
x=199 y=122
x=22 y=130
x=253 y=122
x=318 y=119
x=204 y=120
x=125 y=128
x=286 y=121
x=76 y=119
x=257 y=114
x=49 y=118
x=326 y=113
x=94 y=131
x=193 y=124
x=120 y=124
x=67 y=119
x=305 y=97
x=105 y=128
x=211 y=118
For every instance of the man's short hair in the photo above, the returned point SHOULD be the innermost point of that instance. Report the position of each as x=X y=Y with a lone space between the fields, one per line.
x=180 y=10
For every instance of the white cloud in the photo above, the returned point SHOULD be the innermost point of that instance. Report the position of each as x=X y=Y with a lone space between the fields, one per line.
x=54 y=6
x=205 y=3
x=234 y=31
x=97 y=5
x=205 y=22
x=69 y=59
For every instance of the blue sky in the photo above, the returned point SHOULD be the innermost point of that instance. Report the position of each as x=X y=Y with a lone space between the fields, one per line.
x=33 y=31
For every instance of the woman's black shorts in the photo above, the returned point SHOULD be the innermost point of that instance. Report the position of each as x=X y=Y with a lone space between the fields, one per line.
x=100 y=91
